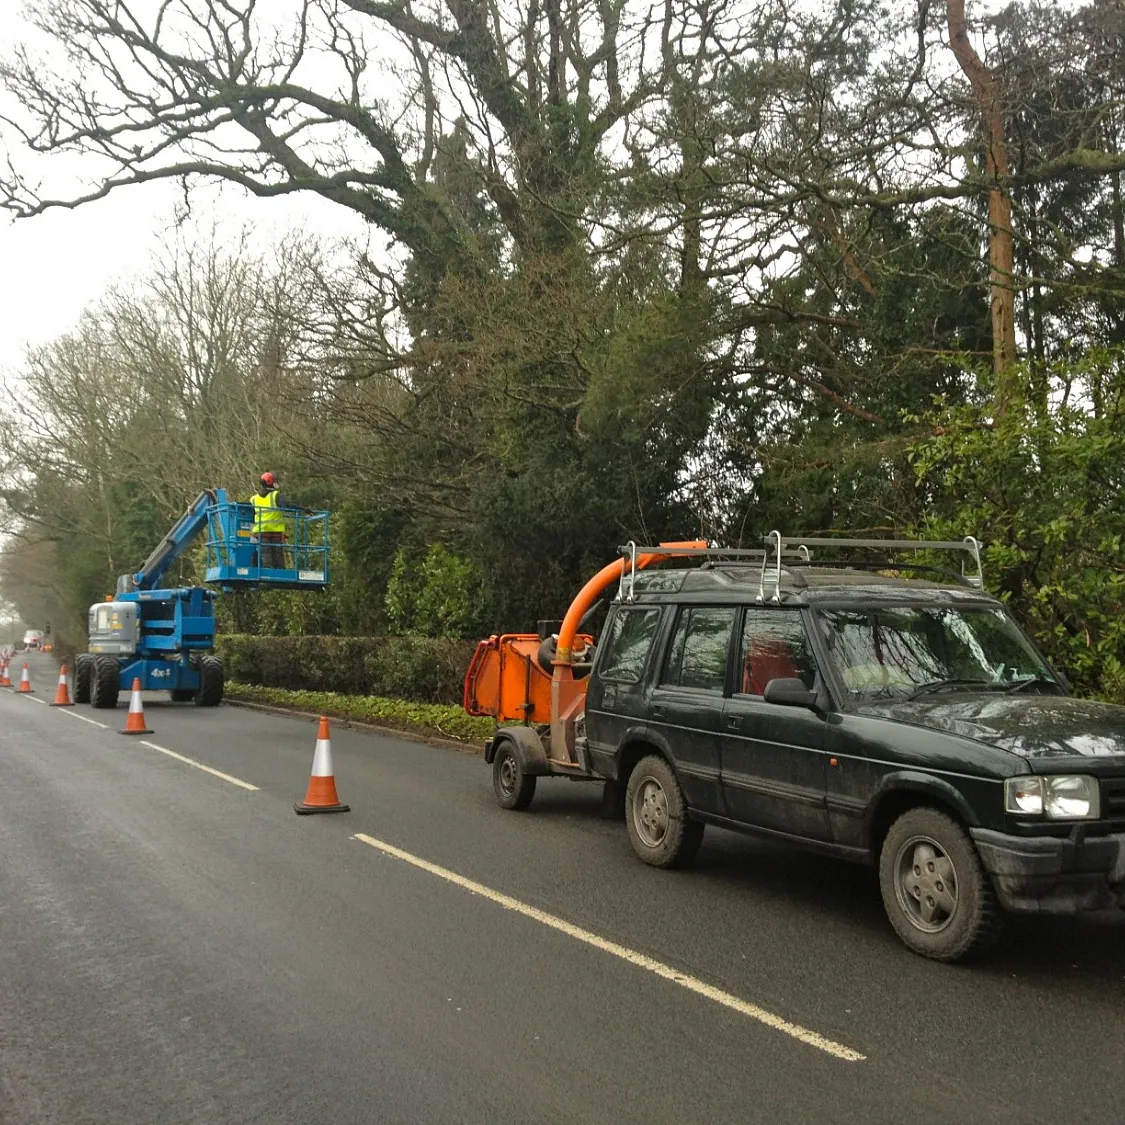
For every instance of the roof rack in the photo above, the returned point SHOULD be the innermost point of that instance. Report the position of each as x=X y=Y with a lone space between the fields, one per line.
x=777 y=545
x=631 y=550
x=780 y=548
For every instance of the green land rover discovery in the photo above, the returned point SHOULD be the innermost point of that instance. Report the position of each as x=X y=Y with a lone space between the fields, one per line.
x=907 y=723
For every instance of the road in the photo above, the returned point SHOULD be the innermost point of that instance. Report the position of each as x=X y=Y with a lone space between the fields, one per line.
x=177 y=948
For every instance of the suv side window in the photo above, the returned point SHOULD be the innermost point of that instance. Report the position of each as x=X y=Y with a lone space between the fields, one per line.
x=773 y=646
x=628 y=644
x=697 y=657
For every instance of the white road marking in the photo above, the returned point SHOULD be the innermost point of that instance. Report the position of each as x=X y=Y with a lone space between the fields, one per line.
x=33 y=698
x=92 y=722
x=684 y=980
x=200 y=766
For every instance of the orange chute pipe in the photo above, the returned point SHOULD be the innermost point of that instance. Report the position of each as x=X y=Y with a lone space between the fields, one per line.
x=589 y=594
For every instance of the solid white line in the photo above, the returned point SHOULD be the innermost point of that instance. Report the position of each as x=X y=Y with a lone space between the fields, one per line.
x=34 y=698
x=200 y=766
x=684 y=980
x=92 y=722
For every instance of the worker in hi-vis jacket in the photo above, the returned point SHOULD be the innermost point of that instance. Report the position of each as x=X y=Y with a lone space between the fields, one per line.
x=269 y=521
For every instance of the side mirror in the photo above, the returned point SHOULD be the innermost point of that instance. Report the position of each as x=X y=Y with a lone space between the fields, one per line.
x=789 y=692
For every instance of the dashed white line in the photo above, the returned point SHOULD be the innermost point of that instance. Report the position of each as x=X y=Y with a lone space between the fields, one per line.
x=33 y=698
x=201 y=766
x=658 y=968
x=92 y=722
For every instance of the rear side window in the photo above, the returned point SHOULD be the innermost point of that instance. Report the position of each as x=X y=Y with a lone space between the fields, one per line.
x=697 y=657
x=629 y=642
x=774 y=646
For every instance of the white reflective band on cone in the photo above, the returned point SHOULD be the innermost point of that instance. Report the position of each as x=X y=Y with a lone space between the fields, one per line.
x=322 y=758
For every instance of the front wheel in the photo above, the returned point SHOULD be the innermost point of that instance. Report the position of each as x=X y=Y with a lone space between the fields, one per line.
x=514 y=788
x=936 y=893
x=83 y=677
x=657 y=817
x=211 y=682
x=106 y=682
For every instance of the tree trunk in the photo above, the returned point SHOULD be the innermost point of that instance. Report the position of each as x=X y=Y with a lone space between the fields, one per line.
x=1000 y=252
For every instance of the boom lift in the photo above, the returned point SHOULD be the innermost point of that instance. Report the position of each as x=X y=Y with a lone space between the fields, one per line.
x=165 y=637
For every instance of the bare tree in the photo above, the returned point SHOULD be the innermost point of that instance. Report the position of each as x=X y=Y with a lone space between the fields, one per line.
x=990 y=103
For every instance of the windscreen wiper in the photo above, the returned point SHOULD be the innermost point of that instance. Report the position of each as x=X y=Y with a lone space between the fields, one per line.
x=939 y=685
x=1034 y=681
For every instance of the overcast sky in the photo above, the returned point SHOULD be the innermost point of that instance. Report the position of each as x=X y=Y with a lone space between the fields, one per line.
x=53 y=265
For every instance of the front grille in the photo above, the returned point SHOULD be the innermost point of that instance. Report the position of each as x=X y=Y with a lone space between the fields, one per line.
x=1113 y=798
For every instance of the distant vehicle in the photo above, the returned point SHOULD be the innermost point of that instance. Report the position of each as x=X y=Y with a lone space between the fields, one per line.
x=32 y=639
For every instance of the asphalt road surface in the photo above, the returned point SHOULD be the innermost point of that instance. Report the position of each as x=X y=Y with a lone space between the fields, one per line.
x=176 y=946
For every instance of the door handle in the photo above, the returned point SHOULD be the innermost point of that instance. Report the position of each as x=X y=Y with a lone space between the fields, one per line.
x=657 y=711
x=733 y=722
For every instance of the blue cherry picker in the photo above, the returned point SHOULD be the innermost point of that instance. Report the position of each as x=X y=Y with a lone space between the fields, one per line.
x=165 y=637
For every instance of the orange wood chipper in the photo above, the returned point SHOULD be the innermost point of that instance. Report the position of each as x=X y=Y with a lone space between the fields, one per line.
x=535 y=685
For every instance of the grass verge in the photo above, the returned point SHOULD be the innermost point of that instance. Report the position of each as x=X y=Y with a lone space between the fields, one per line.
x=444 y=720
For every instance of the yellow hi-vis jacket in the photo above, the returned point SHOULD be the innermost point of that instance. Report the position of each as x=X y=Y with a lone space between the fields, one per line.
x=267 y=515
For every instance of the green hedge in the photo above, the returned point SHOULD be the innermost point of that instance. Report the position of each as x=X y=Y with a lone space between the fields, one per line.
x=421 y=669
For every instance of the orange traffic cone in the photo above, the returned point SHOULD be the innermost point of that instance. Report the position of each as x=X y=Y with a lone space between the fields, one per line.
x=135 y=721
x=25 y=681
x=62 y=696
x=321 y=795
x=4 y=681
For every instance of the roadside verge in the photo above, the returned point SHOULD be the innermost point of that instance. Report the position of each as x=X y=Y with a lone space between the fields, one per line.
x=442 y=723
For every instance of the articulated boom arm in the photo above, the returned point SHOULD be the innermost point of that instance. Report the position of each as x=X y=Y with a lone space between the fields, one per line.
x=173 y=545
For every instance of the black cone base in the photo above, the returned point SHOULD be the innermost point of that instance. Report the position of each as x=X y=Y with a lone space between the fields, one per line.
x=301 y=809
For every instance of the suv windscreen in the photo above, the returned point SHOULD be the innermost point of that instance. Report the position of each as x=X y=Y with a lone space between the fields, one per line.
x=899 y=651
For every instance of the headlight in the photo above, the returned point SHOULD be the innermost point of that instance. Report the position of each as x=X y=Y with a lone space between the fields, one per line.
x=1056 y=797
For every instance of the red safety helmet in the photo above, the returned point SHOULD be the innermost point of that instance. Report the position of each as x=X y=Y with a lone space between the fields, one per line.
x=269 y=480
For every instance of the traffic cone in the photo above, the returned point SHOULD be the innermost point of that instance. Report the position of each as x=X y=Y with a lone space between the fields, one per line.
x=135 y=721
x=321 y=795
x=62 y=696
x=25 y=681
x=4 y=681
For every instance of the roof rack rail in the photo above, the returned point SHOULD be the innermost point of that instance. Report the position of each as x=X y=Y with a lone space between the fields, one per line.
x=777 y=545
x=714 y=553
x=779 y=548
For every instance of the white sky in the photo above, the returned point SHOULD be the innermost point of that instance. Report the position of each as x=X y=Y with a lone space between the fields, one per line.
x=53 y=265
